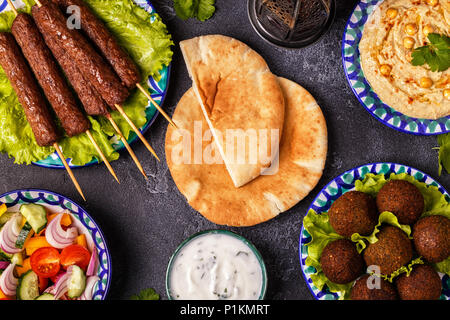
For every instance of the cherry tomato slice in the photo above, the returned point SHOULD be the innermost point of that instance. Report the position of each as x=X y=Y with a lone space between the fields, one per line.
x=45 y=262
x=75 y=255
x=43 y=284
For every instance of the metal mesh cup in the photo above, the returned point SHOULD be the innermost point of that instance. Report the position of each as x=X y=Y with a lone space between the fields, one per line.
x=291 y=23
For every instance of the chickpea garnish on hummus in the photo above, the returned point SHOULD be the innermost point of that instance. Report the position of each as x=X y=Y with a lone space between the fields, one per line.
x=398 y=60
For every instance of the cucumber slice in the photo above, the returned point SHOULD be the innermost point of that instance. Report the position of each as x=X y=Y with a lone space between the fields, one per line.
x=77 y=283
x=23 y=235
x=4 y=218
x=5 y=256
x=46 y=296
x=36 y=216
x=17 y=259
x=28 y=288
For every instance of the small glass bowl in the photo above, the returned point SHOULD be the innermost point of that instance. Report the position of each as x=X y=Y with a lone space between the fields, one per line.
x=224 y=232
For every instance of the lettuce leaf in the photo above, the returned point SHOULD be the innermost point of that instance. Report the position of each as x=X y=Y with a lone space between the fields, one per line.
x=200 y=9
x=404 y=269
x=444 y=152
x=149 y=46
x=383 y=218
x=443 y=266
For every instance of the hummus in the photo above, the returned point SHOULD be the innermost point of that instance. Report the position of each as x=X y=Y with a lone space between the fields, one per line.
x=393 y=31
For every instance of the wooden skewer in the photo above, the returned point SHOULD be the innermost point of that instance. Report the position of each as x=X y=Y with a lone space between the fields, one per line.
x=149 y=97
x=69 y=171
x=137 y=131
x=127 y=146
x=102 y=155
x=13 y=8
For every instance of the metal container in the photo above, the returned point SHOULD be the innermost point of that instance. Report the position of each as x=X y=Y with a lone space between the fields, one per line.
x=291 y=23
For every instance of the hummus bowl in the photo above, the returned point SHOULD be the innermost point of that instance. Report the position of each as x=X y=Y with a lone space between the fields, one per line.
x=364 y=92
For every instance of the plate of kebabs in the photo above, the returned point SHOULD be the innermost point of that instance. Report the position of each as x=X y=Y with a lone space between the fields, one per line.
x=76 y=78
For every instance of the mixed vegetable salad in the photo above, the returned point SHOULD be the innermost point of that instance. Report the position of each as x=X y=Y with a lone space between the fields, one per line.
x=44 y=256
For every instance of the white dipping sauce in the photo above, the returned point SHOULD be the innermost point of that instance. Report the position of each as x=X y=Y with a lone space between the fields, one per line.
x=216 y=267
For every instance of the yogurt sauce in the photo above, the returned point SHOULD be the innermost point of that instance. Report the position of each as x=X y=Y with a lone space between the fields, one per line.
x=216 y=267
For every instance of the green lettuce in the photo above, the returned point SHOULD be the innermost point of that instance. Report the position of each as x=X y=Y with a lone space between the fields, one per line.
x=383 y=218
x=404 y=269
x=149 y=46
x=443 y=266
x=200 y=9
x=322 y=233
x=444 y=152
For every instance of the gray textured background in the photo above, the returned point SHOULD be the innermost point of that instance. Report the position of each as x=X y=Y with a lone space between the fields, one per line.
x=144 y=222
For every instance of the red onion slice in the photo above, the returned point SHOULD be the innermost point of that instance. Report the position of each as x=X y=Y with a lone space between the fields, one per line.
x=8 y=283
x=93 y=263
x=57 y=237
x=4 y=265
x=61 y=286
x=9 y=234
x=89 y=290
x=50 y=290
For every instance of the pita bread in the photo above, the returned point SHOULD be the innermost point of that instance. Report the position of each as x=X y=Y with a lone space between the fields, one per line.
x=208 y=187
x=236 y=91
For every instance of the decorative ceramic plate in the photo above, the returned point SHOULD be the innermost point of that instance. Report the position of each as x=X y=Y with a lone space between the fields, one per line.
x=361 y=88
x=157 y=89
x=337 y=188
x=58 y=203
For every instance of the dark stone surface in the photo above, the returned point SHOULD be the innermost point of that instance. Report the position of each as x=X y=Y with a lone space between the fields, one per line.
x=144 y=222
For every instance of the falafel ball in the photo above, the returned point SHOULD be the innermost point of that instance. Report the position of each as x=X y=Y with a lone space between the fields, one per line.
x=423 y=283
x=353 y=212
x=341 y=262
x=431 y=238
x=403 y=199
x=392 y=250
x=365 y=288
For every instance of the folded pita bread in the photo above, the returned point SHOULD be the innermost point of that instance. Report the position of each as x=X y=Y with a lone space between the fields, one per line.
x=236 y=91
x=208 y=187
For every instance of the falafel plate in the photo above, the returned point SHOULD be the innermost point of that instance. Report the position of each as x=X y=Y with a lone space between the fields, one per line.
x=378 y=232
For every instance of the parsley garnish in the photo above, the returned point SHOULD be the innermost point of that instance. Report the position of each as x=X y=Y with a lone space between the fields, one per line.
x=200 y=9
x=436 y=54
x=147 y=294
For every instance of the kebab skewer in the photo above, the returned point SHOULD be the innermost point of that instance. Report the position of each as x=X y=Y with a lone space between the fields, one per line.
x=120 y=61
x=53 y=24
x=52 y=81
x=30 y=97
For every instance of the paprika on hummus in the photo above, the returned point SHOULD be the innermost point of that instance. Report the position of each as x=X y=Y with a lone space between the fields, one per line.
x=393 y=31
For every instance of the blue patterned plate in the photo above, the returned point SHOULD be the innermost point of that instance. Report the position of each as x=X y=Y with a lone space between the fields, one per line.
x=158 y=90
x=361 y=88
x=58 y=203
x=337 y=188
